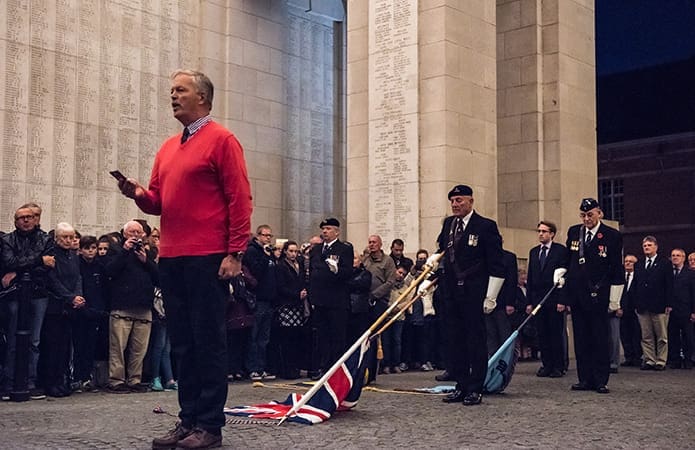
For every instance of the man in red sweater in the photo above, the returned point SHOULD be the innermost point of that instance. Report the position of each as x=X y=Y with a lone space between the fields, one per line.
x=200 y=187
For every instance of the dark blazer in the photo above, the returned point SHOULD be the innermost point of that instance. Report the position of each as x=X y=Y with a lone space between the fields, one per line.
x=628 y=302
x=478 y=254
x=602 y=265
x=539 y=281
x=654 y=290
x=326 y=288
x=684 y=292
x=507 y=295
x=290 y=283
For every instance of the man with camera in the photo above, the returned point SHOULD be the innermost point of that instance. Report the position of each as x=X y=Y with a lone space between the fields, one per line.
x=133 y=276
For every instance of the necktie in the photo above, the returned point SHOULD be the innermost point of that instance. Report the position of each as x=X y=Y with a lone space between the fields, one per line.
x=649 y=263
x=675 y=272
x=455 y=236
x=324 y=253
x=543 y=255
x=588 y=237
x=185 y=135
x=627 y=280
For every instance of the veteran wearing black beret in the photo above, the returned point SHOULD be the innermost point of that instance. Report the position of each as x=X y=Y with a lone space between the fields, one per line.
x=594 y=285
x=473 y=276
x=330 y=268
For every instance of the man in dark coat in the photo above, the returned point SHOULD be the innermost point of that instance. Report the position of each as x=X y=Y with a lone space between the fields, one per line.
x=680 y=323
x=542 y=262
x=329 y=272
x=473 y=275
x=653 y=298
x=630 y=334
x=594 y=285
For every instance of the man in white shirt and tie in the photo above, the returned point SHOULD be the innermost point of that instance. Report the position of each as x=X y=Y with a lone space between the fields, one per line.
x=630 y=334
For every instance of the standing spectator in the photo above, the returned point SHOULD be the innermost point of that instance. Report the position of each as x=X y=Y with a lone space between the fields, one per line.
x=383 y=271
x=90 y=324
x=594 y=285
x=162 y=373
x=473 y=275
x=691 y=261
x=630 y=334
x=261 y=263
x=65 y=296
x=292 y=295
x=429 y=347
x=27 y=249
x=397 y=247
x=103 y=245
x=133 y=275
x=200 y=187
x=680 y=322
x=330 y=270
x=654 y=296
x=391 y=338
x=360 y=284
x=544 y=259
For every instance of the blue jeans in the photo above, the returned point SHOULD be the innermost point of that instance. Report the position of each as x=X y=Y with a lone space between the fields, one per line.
x=37 y=311
x=391 y=344
x=161 y=351
x=260 y=336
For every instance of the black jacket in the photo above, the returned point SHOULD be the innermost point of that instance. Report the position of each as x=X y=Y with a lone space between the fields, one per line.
x=64 y=282
x=23 y=252
x=94 y=284
x=359 y=286
x=131 y=282
x=326 y=288
x=539 y=280
x=264 y=269
x=684 y=293
x=290 y=283
x=654 y=286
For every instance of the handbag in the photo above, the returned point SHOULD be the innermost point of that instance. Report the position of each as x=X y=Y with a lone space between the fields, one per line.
x=291 y=315
x=238 y=315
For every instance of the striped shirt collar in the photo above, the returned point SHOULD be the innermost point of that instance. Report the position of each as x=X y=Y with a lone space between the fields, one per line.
x=198 y=124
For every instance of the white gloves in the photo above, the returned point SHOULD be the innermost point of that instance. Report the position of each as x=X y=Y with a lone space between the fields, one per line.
x=332 y=265
x=494 y=285
x=424 y=286
x=559 y=277
x=433 y=261
x=614 y=297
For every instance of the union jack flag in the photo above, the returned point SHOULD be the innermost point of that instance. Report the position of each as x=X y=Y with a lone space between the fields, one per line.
x=340 y=392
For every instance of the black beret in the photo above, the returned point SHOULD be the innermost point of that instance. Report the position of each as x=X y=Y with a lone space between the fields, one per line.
x=588 y=204
x=460 y=189
x=331 y=221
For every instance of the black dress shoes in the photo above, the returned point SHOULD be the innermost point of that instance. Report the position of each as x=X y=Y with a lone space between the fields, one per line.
x=444 y=376
x=646 y=366
x=555 y=374
x=613 y=370
x=543 y=372
x=455 y=397
x=581 y=386
x=316 y=376
x=473 y=398
x=602 y=389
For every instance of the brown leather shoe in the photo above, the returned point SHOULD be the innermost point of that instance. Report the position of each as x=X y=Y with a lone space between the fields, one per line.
x=200 y=438
x=172 y=437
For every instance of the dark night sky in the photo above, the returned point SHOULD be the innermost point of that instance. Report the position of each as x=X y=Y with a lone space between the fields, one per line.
x=638 y=33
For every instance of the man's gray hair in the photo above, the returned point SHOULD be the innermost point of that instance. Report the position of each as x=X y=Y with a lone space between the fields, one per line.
x=64 y=228
x=201 y=81
x=131 y=224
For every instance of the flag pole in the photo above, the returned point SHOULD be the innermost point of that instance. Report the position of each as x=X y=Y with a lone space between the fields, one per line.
x=427 y=268
x=400 y=312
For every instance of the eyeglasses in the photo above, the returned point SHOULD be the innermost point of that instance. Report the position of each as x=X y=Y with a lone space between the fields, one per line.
x=29 y=217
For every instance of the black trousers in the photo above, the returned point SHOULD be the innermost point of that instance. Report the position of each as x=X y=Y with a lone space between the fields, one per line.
x=680 y=336
x=54 y=356
x=551 y=328
x=631 y=336
x=195 y=301
x=331 y=324
x=591 y=339
x=466 y=338
x=84 y=339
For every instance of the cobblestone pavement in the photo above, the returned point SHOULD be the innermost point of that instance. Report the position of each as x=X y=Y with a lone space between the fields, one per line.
x=643 y=410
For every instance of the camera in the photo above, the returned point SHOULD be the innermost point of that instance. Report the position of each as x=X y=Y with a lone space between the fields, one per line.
x=138 y=245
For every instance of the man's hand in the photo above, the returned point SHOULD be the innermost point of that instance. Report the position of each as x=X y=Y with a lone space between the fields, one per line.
x=619 y=313
x=562 y=308
x=332 y=265
x=489 y=305
x=49 y=261
x=78 y=302
x=142 y=255
x=131 y=188
x=529 y=308
x=510 y=310
x=303 y=294
x=692 y=317
x=7 y=279
x=668 y=310
x=229 y=268
x=433 y=261
x=559 y=277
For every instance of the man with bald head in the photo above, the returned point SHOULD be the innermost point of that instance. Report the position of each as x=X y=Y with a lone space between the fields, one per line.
x=133 y=275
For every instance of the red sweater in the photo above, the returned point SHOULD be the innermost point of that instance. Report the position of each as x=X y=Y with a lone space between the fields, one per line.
x=201 y=189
